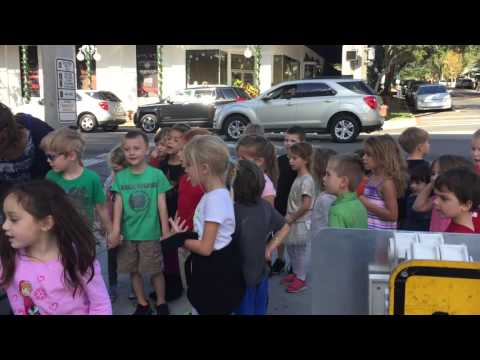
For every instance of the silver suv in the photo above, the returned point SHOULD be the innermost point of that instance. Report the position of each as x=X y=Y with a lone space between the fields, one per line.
x=341 y=107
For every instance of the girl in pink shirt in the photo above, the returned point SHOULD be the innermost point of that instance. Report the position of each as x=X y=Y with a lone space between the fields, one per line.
x=262 y=152
x=47 y=255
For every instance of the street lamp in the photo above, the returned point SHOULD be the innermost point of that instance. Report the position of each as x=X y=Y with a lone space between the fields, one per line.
x=88 y=53
x=248 y=52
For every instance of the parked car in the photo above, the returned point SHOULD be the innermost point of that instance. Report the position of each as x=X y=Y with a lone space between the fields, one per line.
x=464 y=84
x=412 y=87
x=95 y=108
x=341 y=107
x=430 y=97
x=193 y=106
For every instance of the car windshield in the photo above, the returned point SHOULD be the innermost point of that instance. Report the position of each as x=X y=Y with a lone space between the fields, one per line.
x=432 y=90
x=358 y=87
x=104 y=95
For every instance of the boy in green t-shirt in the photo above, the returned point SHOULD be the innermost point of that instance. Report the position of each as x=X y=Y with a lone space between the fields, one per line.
x=138 y=212
x=64 y=148
x=343 y=174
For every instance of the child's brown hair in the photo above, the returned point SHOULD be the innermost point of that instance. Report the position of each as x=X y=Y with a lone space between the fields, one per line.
x=411 y=138
x=320 y=162
x=305 y=151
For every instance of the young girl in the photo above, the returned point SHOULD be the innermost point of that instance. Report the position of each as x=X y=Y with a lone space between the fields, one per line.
x=476 y=150
x=425 y=199
x=214 y=273
x=117 y=162
x=299 y=206
x=387 y=182
x=47 y=255
x=262 y=152
x=256 y=219
x=159 y=152
x=324 y=200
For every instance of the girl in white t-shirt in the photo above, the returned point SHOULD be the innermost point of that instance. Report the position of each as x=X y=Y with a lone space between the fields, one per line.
x=213 y=271
x=262 y=152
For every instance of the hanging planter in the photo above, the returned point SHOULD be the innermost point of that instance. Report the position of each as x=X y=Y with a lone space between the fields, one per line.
x=26 y=72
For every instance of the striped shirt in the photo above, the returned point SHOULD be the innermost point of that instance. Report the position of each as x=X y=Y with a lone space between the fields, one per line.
x=373 y=194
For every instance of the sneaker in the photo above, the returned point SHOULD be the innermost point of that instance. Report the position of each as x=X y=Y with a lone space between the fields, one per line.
x=278 y=267
x=113 y=293
x=163 y=309
x=143 y=310
x=287 y=280
x=297 y=286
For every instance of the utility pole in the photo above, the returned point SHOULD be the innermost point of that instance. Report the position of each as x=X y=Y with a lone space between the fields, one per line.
x=59 y=85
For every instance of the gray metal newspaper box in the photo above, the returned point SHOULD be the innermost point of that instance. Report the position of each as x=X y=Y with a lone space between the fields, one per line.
x=349 y=269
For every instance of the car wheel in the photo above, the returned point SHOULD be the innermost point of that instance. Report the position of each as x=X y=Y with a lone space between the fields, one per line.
x=344 y=128
x=87 y=122
x=149 y=123
x=235 y=127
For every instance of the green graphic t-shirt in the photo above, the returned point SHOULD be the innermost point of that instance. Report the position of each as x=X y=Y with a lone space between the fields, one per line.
x=86 y=191
x=139 y=193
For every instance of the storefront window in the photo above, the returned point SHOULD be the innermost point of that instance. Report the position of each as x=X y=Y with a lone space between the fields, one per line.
x=147 y=72
x=83 y=82
x=242 y=68
x=206 y=67
x=285 y=68
x=32 y=59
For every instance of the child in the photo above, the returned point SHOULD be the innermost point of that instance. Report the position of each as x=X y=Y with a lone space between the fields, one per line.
x=476 y=150
x=256 y=219
x=188 y=198
x=159 y=153
x=139 y=209
x=47 y=255
x=300 y=203
x=262 y=152
x=285 y=181
x=214 y=272
x=424 y=200
x=64 y=148
x=324 y=200
x=366 y=173
x=386 y=183
x=173 y=170
x=415 y=142
x=117 y=162
x=342 y=176
x=419 y=179
x=458 y=195
x=254 y=129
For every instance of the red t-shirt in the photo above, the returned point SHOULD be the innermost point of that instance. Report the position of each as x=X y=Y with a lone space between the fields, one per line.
x=456 y=228
x=188 y=198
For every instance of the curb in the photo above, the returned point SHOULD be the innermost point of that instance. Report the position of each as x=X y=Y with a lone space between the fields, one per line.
x=399 y=123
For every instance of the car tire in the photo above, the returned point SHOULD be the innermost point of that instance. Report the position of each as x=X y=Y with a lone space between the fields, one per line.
x=344 y=128
x=235 y=127
x=87 y=123
x=149 y=123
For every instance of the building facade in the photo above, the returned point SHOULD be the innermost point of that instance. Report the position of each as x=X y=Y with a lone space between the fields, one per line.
x=134 y=72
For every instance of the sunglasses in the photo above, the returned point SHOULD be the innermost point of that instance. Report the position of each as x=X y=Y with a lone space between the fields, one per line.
x=52 y=157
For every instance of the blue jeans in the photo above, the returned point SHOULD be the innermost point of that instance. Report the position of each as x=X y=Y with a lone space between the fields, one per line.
x=255 y=300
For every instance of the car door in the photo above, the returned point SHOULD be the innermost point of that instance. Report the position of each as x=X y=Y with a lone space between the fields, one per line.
x=277 y=110
x=314 y=103
x=174 y=110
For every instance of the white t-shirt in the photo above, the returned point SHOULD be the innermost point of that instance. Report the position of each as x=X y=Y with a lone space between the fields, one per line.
x=216 y=206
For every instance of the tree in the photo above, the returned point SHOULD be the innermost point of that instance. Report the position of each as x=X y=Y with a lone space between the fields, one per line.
x=453 y=64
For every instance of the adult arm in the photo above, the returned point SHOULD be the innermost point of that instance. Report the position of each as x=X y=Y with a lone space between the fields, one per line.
x=390 y=212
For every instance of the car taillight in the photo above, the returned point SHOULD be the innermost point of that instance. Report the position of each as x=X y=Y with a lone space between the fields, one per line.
x=103 y=105
x=371 y=101
x=239 y=98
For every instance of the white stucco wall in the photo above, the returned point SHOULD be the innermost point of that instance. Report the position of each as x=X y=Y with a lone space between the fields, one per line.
x=10 y=84
x=359 y=71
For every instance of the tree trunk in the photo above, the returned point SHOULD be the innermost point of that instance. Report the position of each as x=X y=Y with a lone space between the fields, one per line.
x=388 y=81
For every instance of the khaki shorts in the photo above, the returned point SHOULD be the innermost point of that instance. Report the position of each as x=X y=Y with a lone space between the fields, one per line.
x=144 y=257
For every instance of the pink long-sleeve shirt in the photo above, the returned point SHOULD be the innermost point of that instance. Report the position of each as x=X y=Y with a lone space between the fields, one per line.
x=38 y=289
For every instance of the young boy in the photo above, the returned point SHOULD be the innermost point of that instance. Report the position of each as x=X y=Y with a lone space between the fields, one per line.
x=419 y=179
x=64 y=148
x=344 y=173
x=138 y=212
x=173 y=170
x=458 y=195
x=285 y=181
x=415 y=142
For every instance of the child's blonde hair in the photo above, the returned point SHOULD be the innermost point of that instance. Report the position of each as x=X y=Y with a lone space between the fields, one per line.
x=117 y=157
x=210 y=150
x=386 y=153
x=62 y=141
